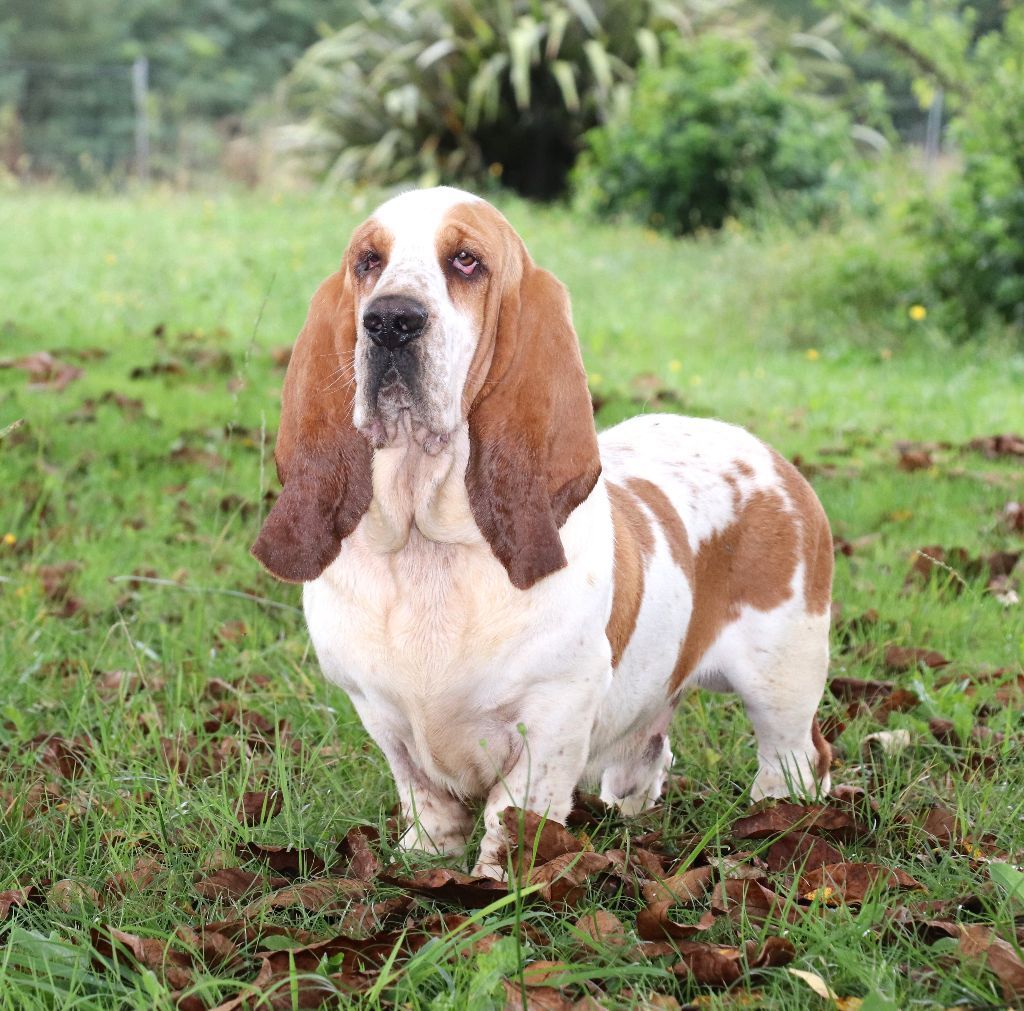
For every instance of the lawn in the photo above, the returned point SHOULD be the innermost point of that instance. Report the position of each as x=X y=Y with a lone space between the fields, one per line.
x=163 y=721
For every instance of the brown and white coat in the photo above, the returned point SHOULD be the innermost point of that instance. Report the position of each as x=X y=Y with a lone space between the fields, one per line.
x=513 y=604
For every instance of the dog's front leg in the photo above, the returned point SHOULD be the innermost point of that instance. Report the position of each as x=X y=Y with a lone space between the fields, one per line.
x=556 y=742
x=436 y=821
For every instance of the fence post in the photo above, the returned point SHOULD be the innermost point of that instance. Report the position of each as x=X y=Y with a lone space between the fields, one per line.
x=933 y=133
x=140 y=97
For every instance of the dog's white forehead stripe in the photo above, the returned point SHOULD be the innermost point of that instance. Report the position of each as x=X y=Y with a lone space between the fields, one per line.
x=413 y=220
x=414 y=217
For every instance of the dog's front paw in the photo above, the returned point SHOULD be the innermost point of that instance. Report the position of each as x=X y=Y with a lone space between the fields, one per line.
x=793 y=782
x=492 y=862
x=484 y=869
x=449 y=844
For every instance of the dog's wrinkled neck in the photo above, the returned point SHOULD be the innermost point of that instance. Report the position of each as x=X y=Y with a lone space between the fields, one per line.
x=419 y=487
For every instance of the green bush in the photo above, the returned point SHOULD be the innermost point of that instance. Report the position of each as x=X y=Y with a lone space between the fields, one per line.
x=450 y=90
x=973 y=227
x=710 y=135
x=977 y=234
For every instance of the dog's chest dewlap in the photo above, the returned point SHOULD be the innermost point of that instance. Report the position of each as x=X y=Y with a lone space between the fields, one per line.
x=433 y=660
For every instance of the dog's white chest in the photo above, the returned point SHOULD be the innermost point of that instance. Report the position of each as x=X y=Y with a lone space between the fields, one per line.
x=420 y=631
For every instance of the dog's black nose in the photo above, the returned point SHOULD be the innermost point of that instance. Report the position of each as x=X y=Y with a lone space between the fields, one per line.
x=391 y=321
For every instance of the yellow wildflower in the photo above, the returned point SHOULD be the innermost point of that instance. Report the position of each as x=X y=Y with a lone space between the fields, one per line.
x=917 y=313
x=10 y=539
x=827 y=895
x=675 y=365
x=812 y=354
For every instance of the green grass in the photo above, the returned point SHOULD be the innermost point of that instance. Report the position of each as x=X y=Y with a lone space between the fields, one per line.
x=741 y=327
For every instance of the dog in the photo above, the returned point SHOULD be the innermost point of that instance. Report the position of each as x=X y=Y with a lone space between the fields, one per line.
x=514 y=604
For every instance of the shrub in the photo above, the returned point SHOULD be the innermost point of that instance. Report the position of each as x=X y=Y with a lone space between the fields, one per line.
x=444 y=90
x=976 y=260
x=973 y=227
x=709 y=135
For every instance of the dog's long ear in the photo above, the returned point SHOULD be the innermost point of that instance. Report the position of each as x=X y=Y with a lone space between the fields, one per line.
x=533 y=454
x=323 y=462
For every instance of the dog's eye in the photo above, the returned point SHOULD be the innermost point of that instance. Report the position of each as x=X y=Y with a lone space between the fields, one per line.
x=465 y=262
x=368 y=261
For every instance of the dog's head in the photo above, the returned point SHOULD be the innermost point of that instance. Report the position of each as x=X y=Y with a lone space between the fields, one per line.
x=437 y=318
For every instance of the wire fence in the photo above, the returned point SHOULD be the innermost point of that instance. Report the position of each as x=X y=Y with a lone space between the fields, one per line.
x=74 y=119
x=91 y=123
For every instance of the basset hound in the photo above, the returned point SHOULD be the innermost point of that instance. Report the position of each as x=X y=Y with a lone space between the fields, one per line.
x=513 y=603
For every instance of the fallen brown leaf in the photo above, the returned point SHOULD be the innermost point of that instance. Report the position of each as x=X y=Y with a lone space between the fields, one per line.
x=722 y=965
x=230 y=712
x=357 y=852
x=259 y=806
x=56 y=583
x=686 y=887
x=293 y=863
x=544 y=973
x=999 y=956
x=67 y=758
x=536 y=838
x=201 y=457
x=68 y=894
x=232 y=631
x=860 y=689
x=15 y=897
x=780 y=817
x=358 y=955
x=1013 y=517
x=913 y=457
x=44 y=370
x=646 y=862
x=602 y=929
x=954 y=568
x=906 y=658
x=174 y=967
x=747 y=899
x=210 y=947
x=654 y=924
x=361 y=919
x=998 y=445
x=740 y=865
x=564 y=878
x=541 y=998
x=243 y=931
x=324 y=895
x=234 y=883
x=282 y=991
x=794 y=852
x=588 y=810
x=450 y=887
x=141 y=876
x=851 y=882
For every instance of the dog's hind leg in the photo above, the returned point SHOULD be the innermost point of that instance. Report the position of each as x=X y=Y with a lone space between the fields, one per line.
x=777 y=662
x=635 y=783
